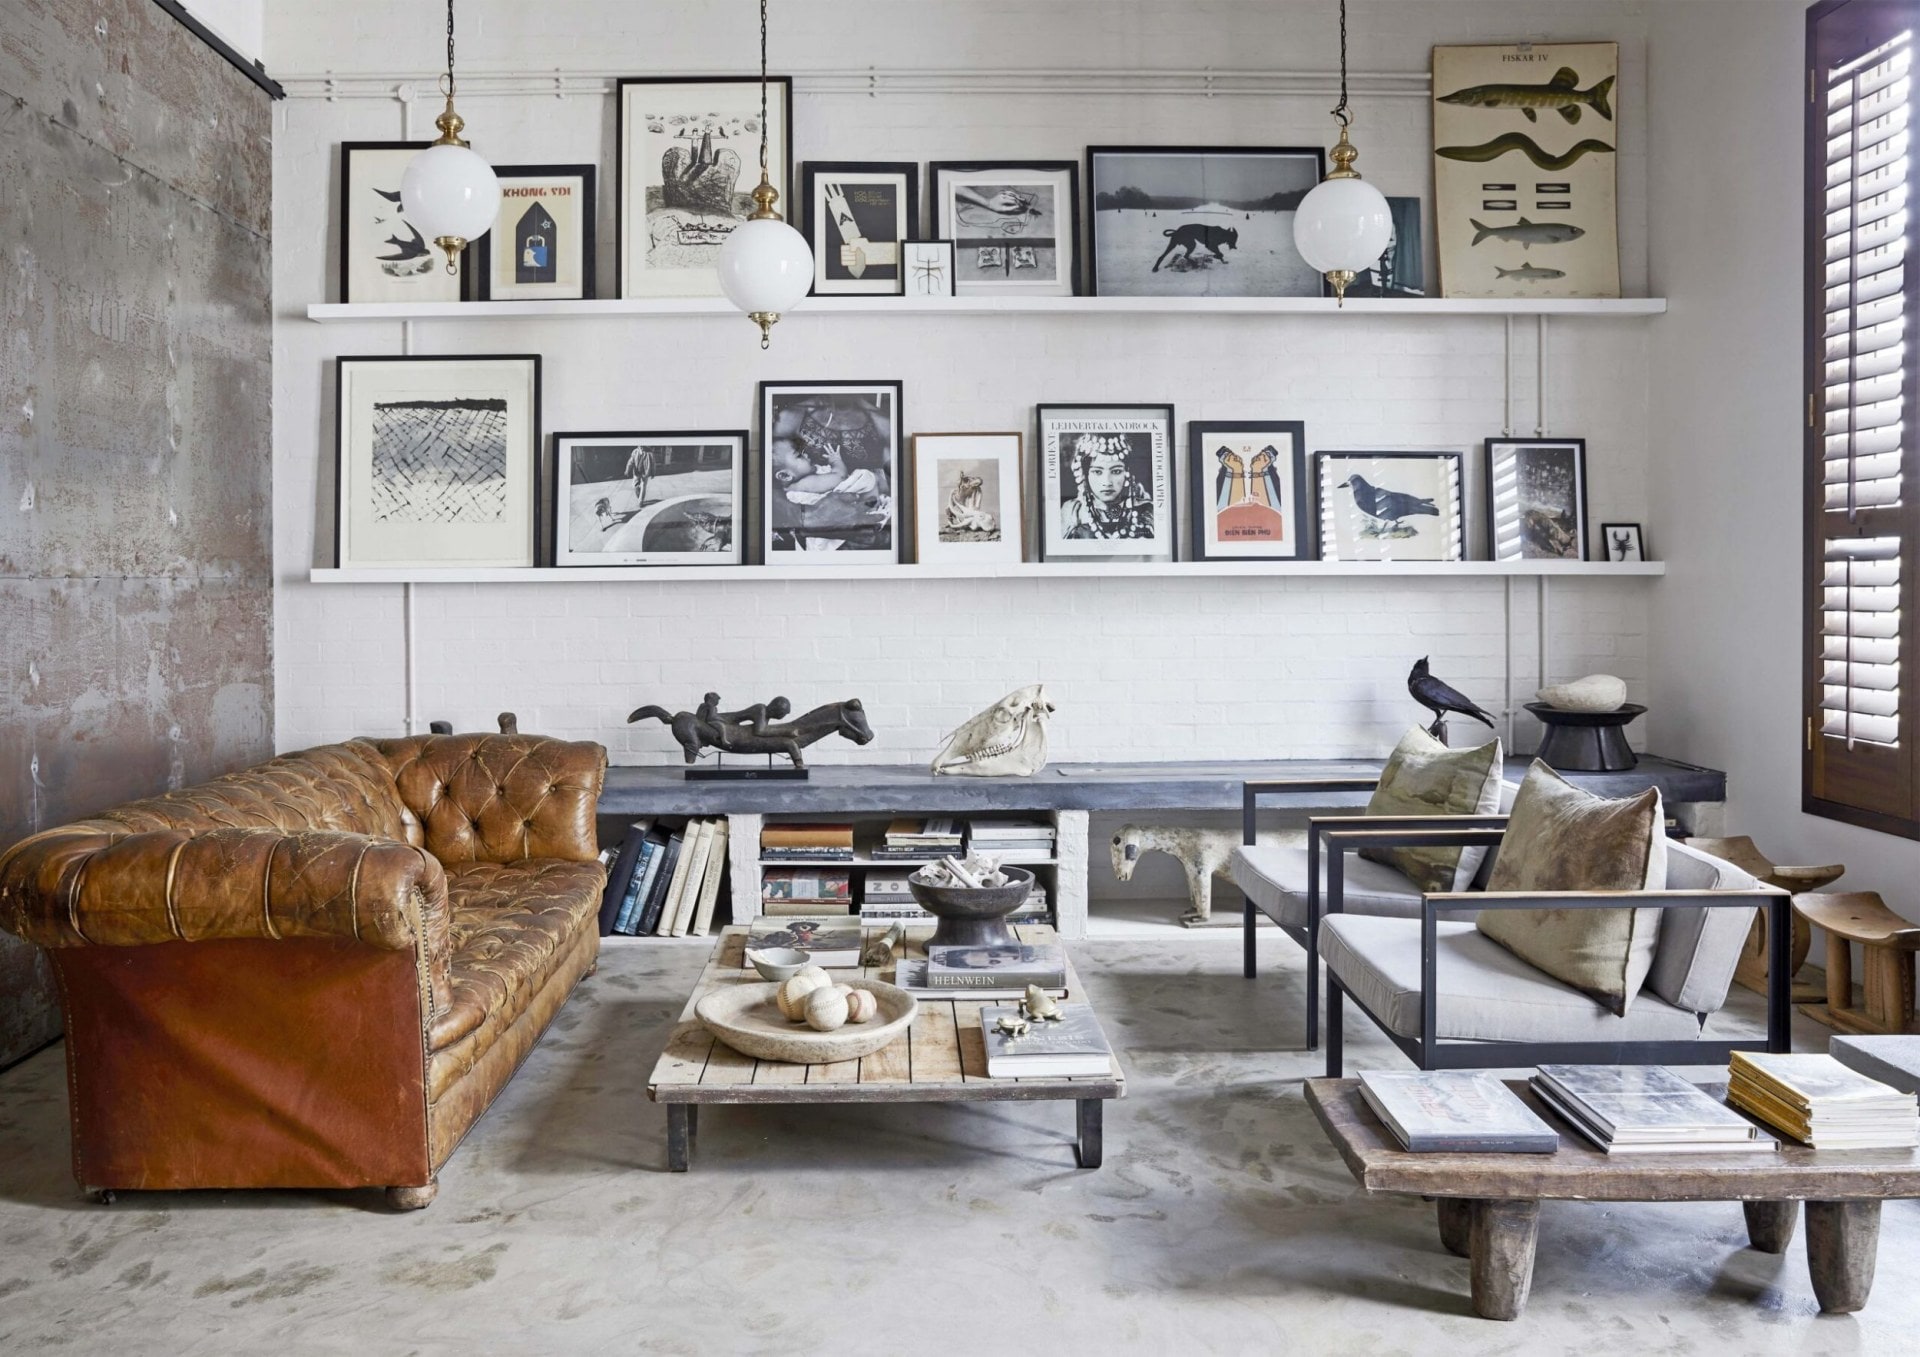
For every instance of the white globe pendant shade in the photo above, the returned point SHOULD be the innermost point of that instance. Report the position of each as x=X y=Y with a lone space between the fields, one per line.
x=765 y=266
x=1343 y=224
x=448 y=191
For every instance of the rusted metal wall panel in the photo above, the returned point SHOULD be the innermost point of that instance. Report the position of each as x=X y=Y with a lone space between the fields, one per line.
x=135 y=426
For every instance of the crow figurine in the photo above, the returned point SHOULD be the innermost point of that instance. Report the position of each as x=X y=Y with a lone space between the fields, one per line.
x=1440 y=698
x=1389 y=506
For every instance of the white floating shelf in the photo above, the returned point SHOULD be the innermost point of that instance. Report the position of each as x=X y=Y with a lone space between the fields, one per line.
x=995 y=306
x=1024 y=570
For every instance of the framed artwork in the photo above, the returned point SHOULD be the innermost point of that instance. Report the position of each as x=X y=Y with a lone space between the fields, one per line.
x=830 y=472
x=967 y=506
x=1537 y=499
x=1623 y=541
x=688 y=160
x=1524 y=159
x=1014 y=224
x=1391 y=506
x=1248 y=490
x=1401 y=269
x=1106 y=482
x=927 y=268
x=858 y=213
x=541 y=245
x=435 y=460
x=1198 y=221
x=668 y=498
x=383 y=256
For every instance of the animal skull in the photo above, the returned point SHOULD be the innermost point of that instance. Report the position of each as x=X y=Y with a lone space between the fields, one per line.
x=1008 y=738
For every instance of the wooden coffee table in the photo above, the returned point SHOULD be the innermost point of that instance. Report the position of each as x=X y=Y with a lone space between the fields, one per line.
x=941 y=1059
x=1489 y=1204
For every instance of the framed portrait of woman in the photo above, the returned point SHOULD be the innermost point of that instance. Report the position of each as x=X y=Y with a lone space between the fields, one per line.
x=1106 y=483
x=830 y=473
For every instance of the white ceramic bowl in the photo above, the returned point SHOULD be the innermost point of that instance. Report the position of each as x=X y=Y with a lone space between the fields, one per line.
x=778 y=963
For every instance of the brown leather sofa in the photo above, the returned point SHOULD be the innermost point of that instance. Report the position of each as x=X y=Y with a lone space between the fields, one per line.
x=318 y=972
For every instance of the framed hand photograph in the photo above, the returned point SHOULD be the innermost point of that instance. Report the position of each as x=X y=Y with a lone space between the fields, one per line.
x=383 y=256
x=668 y=498
x=967 y=506
x=830 y=473
x=1200 y=221
x=541 y=245
x=1106 y=483
x=1248 y=489
x=1537 y=499
x=928 y=269
x=1391 y=506
x=1623 y=541
x=688 y=160
x=1014 y=224
x=858 y=213
x=435 y=460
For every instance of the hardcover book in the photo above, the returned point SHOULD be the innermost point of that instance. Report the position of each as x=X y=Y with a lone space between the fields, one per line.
x=1072 y=1046
x=1437 y=1111
x=910 y=974
x=620 y=875
x=828 y=940
x=807 y=837
x=685 y=891
x=792 y=883
x=996 y=966
x=626 y=919
x=1618 y=1106
x=659 y=875
x=710 y=888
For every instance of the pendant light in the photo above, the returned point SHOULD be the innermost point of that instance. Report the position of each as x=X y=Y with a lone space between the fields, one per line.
x=1343 y=225
x=450 y=194
x=765 y=266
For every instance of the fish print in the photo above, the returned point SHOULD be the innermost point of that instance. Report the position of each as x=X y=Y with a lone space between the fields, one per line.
x=1561 y=94
x=1520 y=141
x=1526 y=234
x=1528 y=273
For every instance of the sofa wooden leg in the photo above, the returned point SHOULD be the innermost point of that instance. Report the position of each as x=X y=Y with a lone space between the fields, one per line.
x=101 y=1196
x=413 y=1198
x=591 y=970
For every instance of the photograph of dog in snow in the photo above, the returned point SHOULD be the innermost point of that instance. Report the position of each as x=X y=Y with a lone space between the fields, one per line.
x=1200 y=222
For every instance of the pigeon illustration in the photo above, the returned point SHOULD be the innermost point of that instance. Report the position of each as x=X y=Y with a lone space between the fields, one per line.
x=1440 y=698
x=1389 y=506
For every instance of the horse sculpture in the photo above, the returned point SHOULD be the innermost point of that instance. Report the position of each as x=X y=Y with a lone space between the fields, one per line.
x=759 y=729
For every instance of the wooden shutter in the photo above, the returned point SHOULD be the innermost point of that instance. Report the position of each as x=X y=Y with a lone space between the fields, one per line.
x=1860 y=735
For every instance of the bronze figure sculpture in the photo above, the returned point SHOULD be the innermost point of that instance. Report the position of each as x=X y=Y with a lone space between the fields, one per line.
x=759 y=729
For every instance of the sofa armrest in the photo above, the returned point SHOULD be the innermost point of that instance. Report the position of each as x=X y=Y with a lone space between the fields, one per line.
x=1422 y=831
x=1251 y=792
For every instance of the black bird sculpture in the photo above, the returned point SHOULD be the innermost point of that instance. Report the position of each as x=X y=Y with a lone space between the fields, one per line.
x=1389 y=506
x=1440 y=698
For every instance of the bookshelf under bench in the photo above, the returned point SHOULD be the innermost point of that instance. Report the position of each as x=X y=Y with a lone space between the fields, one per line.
x=1069 y=793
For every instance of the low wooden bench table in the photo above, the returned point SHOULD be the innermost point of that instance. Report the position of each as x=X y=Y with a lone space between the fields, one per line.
x=941 y=1059
x=1489 y=1204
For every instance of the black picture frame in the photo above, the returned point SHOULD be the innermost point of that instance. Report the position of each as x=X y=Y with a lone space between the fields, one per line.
x=453 y=288
x=1202 y=497
x=1200 y=240
x=939 y=170
x=1609 y=540
x=908 y=174
x=482 y=250
x=1516 y=532
x=1325 y=463
x=1050 y=474
x=559 y=482
x=900 y=489
x=907 y=270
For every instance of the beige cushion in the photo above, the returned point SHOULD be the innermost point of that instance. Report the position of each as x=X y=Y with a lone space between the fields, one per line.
x=1424 y=777
x=1699 y=948
x=1563 y=839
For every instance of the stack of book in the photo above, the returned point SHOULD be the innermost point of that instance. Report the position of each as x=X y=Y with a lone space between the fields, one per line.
x=1645 y=1109
x=885 y=898
x=1817 y=1100
x=1465 y=1111
x=911 y=838
x=810 y=842
x=1063 y=1049
x=665 y=882
x=1016 y=841
x=806 y=890
x=828 y=939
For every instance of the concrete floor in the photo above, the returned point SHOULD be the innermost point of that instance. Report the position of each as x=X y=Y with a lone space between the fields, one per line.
x=1221 y=1222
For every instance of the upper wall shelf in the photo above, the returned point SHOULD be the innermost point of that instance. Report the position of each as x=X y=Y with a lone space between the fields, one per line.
x=1024 y=570
x=993 y=306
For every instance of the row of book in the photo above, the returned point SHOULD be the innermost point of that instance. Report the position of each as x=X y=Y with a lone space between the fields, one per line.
x=909 y=839
x=663 y=881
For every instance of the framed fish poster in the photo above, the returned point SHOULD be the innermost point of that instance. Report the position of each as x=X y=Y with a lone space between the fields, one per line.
x=1537 y=499
x=688 y=160
x=967 y=507
x=1014 y=224
x=858 y=215
x=383 y=256
x=1106 y=483
x=668 y=498
x=1525 y=144
x=1248 y=490
x=1391 y=506
x=830 y=477
x=541 y=245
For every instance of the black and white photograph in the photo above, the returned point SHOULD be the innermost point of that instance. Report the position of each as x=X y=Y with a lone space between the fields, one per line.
x=1401 y=269
x=927 y=269
x=1248 y=489
x=830 y=479
x=383 y=256
x=1623 y=541
x=858 y=213
x=541 y=245
x=688 y=162
x=1391 y=506
x=648 y=498
x=1015 y=225
x=1192 y=221
x=1537 y=499
x=435 y=460
x=967 y=505
x=1106 y=482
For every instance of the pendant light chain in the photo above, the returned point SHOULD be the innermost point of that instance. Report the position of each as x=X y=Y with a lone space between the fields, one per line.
x=1340 y=110
x=449 y=49
x=763 y=88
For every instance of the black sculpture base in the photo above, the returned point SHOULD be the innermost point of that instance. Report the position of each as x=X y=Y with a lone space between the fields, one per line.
x=1586 y=741
x=773 y=772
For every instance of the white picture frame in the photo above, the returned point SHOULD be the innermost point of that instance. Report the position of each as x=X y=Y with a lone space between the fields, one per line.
x=968 y=508
x=926 y=270
x=383 y=256
x=1106 y=483
x=1015 y=225
x=1391 y=506
x=649 y=498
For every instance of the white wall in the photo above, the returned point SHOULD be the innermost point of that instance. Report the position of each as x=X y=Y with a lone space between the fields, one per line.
x=241 y=24
x=1163 y=669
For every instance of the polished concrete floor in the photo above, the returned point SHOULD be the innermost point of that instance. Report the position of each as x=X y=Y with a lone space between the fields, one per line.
x=1221 y=1222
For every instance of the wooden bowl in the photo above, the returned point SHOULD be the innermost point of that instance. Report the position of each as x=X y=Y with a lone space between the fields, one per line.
x=746 y=1018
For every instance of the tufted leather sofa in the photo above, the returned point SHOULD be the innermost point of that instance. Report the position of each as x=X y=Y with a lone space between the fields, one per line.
x=318 y=972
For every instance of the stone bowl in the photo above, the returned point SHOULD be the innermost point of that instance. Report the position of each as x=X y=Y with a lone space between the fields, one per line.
x=973 y=916
x=778 y=963
x=746 y=1018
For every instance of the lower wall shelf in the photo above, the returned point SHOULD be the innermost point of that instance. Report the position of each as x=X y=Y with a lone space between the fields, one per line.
x=1023 y=570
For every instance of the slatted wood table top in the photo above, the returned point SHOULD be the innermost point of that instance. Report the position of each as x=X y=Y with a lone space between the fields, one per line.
x=942 y=1058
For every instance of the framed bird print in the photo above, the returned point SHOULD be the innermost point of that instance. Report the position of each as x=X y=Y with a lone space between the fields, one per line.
x=1248 y=489
x=1106 y=483
x=1391 y=506
x=858 y=215
x=383 y=256
x=1537 y=499
x=541 y=244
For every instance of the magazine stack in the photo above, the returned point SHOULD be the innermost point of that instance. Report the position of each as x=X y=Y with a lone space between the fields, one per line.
x=1645 y=1109
x=1820 y=1102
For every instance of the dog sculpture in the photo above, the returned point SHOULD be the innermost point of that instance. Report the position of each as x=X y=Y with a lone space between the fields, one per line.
x=1198 y=235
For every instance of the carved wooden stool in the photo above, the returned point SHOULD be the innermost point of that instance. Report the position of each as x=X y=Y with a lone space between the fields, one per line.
x=1887 y=944
x=1751 y=973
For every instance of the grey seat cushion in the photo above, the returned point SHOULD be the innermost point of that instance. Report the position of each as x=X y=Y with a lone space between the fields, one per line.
x=1275 y=877
x=1486 y=992
x=1698 y=949
x=1893 y=1060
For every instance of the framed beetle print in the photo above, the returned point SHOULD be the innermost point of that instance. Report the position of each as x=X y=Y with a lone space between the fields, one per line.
x=1537 y=499
x=1391 y=506
x=858 y=214
x=830 y=473
x=1014 y=224
x=1248 y=490
x=668 y=498
x=1106 y=482
x=383 y=256
x=927 y=270
x=967 y=506
x=1623 y=541
x=541 y=245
